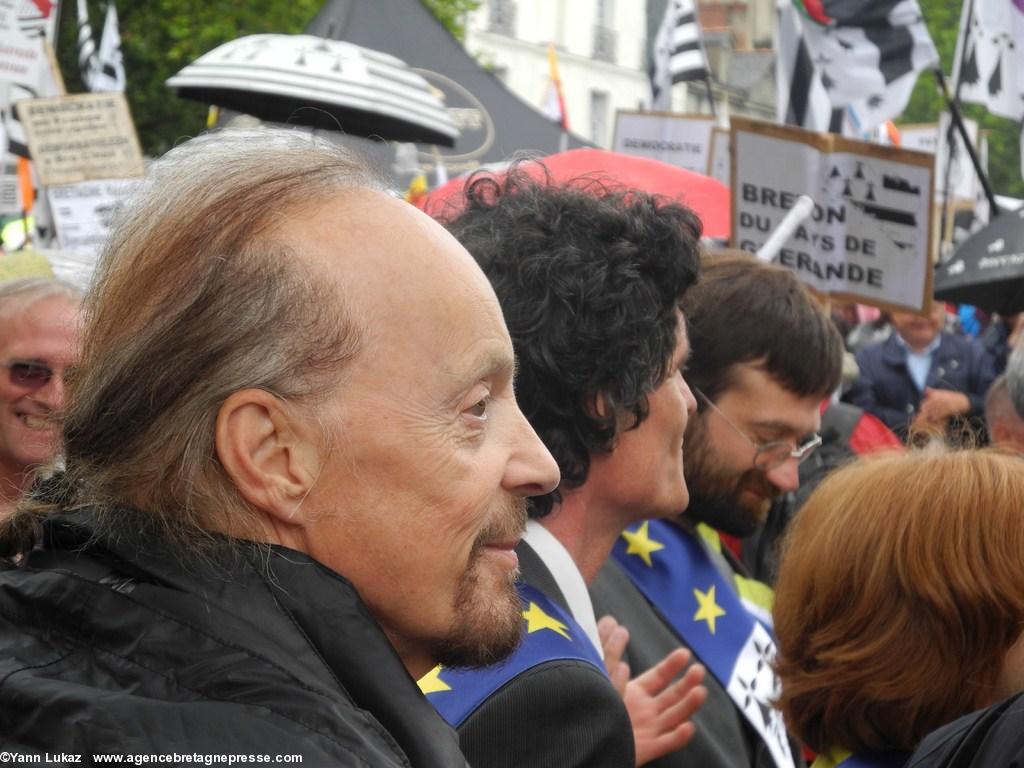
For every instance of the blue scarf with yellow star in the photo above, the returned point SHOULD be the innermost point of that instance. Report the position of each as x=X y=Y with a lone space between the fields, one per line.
x=549 y=634
x=676 y=574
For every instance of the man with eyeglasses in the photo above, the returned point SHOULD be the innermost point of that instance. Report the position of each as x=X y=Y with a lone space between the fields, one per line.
x=38 y=342
x=764 y=357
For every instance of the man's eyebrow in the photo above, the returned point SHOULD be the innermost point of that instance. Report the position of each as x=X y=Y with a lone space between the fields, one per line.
x=772 y=425
x=494 y=362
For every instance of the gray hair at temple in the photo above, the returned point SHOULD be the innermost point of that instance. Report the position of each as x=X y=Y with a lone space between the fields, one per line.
x=24 y=292
x=196 y=298
x=1015 y=379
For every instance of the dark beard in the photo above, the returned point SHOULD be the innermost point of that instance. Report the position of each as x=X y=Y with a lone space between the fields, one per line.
x=715 y=492
x=485 y=631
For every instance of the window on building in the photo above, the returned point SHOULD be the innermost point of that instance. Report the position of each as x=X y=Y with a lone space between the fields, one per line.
x=501 y=17
x=599 y=107
x=604 y=31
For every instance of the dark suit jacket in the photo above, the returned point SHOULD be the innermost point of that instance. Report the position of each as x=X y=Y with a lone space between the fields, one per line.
x=886 y=389
x=723 y=739
x=557 y=715
x=990 y=738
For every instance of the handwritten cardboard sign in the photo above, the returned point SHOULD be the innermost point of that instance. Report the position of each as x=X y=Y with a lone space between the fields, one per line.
x=869 y=235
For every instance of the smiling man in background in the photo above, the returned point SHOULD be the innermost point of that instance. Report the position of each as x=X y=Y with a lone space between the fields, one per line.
x=764 y=356
x=38 y=343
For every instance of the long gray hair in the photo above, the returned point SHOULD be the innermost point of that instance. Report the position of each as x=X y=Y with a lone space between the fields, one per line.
x=195 y=299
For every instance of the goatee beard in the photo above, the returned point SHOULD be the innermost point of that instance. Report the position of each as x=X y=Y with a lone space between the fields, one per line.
x=487 y=626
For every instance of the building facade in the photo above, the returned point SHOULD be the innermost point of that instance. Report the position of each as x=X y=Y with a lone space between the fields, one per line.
x=603 y=47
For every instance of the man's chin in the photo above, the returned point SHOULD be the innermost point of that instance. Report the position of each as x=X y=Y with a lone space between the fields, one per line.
x=486 y=631
x=740 y=518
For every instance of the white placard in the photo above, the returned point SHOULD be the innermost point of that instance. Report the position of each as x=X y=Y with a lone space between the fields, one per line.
x=681 y=140
x=84 y=137
x=82 y=213
x=868 y=235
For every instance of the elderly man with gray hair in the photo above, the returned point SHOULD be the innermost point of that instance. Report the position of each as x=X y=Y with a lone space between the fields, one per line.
x=38 y=343
x=296 y=475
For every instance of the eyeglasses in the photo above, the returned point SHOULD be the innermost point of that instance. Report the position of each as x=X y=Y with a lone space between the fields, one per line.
x=29 y=374
x=767 y=456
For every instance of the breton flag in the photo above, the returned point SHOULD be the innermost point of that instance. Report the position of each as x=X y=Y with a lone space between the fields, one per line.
x=801 y=97
x=989 y=64
x=864 y=54
x=678 y=53
x=102 y=70
x=554 y=107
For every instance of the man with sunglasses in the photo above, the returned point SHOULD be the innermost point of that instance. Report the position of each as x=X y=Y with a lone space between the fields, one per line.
x=764 y=357
x=38 y=342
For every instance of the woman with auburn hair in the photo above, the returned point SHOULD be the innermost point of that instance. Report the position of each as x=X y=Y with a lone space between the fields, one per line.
x=900 y=601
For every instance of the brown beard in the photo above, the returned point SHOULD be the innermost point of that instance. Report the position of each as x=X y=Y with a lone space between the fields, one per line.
x=715 y=492
x=486 y=629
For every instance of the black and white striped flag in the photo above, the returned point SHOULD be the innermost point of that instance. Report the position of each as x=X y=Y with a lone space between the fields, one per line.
x=678 y=53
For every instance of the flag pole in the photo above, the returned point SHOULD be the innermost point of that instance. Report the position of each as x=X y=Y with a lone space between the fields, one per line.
x=958 y=64
x=711 y=95
x=958 y=121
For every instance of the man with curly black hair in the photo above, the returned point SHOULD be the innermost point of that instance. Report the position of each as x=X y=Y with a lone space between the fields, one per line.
x=590 y=280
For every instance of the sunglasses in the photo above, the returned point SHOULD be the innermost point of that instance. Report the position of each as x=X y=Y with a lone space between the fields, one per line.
x=29 y=374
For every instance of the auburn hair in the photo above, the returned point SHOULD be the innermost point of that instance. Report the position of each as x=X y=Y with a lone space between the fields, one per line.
x=900 y=592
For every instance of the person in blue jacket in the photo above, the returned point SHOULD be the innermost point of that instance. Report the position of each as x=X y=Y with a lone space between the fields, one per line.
x=922 y=378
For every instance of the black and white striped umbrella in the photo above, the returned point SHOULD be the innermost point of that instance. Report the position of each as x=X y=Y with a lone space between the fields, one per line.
x=312 y=81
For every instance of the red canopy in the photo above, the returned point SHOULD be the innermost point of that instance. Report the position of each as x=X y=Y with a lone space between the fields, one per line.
x=707 y=196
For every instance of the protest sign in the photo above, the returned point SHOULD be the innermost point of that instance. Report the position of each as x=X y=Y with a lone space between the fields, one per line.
x=83 y=213
x=719 y=162
x=81 y=138
x=868 y=236
x=681 y=140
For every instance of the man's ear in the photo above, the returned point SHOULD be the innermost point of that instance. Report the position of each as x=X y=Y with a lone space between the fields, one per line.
x=271 y=458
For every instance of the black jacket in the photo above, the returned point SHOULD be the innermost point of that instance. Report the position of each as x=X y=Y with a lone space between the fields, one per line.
x=886 y=389
x=114 y=646
x=991 y=738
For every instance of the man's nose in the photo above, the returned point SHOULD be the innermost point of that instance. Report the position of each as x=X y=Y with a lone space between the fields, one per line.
x=531 y=470
x=786 y=476
x=51 y=394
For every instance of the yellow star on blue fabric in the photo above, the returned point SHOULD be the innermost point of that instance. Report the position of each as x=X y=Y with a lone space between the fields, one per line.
x=708 y=610
x=641 y=544
x=432 y=682
x=537 y=620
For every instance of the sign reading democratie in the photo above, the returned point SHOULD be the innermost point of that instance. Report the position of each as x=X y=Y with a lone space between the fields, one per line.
x=868 y=237
x=680 y=140
x=84 y=137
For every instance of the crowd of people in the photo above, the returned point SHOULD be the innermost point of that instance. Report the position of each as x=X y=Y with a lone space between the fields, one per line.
x=308 y=472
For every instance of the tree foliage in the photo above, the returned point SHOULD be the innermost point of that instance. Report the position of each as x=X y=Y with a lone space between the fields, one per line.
x=159 y=37
x=943 y=19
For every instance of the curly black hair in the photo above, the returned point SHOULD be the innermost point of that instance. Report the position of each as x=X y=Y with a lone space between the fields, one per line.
x=590 y=277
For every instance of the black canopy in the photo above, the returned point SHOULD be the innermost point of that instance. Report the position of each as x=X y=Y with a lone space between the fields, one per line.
x=494 y=122
x=987 y=270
